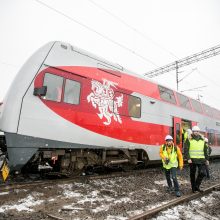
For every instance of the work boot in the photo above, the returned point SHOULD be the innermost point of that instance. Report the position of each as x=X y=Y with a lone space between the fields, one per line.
x=178 y=194
x=194 y=189
x=199 y=190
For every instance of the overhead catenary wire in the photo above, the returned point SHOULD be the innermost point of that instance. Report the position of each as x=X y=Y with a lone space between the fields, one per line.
x=207 y=78
x=103 y=36
x=213 y=51
x=96 y=32
x=134 y=29
x=212 y=97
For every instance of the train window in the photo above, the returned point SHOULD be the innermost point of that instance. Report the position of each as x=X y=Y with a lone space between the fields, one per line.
x=184 y=101
x=54 y=85
x=196 y=106
x=218 y=139
x=71 y=92
x=211 y=137
x=134 y=106
x=167 y=94
x=207 y=110
x=127 y=105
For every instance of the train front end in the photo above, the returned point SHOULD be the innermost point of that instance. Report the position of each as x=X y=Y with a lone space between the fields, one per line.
x=13 y=152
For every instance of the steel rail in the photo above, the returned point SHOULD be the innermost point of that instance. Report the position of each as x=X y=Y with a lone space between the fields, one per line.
x=86 y=178
x=152 y=212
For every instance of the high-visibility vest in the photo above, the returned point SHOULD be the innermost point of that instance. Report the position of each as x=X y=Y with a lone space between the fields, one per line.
x=185 y=136
x=196 y=148
x=172 y=157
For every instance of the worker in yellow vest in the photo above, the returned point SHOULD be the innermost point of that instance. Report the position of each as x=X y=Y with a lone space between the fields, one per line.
x=197 y=158
x=184 y=134
x=172 y=159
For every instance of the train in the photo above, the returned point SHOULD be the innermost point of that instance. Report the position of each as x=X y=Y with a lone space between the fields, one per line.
x=68 y=109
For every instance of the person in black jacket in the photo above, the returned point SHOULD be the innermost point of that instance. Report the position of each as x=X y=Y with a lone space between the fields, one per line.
x=209 y=151
x=197 y=157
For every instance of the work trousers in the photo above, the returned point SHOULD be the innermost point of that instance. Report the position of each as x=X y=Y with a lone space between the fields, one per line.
x=171 y=173
x=207 y=171
x=196 y=180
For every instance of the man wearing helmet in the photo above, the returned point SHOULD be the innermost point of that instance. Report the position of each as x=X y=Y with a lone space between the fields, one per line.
x=171 y=158
x=197 y=157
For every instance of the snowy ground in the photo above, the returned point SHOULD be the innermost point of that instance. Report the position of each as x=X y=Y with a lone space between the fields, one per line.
x=109 y=199
x=204 y=208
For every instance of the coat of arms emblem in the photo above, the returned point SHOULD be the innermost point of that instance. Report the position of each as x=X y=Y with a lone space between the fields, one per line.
x=103 y=98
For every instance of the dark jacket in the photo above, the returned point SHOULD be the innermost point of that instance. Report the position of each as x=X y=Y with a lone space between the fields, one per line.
x=209 y=150
x=197 y=160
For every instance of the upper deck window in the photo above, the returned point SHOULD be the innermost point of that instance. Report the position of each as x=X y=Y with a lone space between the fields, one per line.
x=184 y=101
x=196 y=106
x=167 y=94
x=54 y=85
x=207 y=109
x=71 y=92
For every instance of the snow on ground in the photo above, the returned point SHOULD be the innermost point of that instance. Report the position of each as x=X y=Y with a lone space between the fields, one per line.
x=188 y=211
x=23 y=204
x=100 y=196
x=3 y=193
x=181 y=181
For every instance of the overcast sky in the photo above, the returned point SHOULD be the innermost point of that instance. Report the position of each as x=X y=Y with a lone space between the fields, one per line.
x=140 y=35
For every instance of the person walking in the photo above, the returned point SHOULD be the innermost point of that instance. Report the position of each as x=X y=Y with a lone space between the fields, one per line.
x=186 y=136
x=197 y=157
x=209 y=151
x=171 y=158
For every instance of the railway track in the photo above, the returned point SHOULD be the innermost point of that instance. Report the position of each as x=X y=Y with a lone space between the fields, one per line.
x=114 y=195
x=153 y=212
x=21 y=185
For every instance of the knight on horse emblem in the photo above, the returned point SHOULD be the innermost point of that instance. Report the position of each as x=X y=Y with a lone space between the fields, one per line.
x=102 y=96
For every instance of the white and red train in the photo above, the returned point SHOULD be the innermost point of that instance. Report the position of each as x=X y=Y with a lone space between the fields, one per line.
x=68 y=109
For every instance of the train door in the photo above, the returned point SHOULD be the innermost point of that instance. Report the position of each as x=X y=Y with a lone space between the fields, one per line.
x=177 y=132
x=185 y=125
